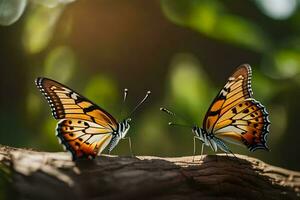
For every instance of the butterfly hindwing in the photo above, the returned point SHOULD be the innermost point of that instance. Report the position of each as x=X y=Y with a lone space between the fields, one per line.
x=235 y=116
x=247 y=123
x=83 y=138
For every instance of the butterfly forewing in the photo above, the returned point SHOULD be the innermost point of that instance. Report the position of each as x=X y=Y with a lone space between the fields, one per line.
x=236 y=90
x=85 y=129
x=65 y=103
x=237 y=117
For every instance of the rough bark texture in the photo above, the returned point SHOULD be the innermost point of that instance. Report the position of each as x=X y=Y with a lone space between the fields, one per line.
x=43 y=175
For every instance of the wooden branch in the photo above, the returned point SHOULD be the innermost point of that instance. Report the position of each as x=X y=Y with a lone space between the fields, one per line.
x=44 y=175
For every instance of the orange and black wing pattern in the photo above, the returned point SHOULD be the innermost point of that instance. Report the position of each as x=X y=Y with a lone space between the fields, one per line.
x=235 y=116
x=84 y=139
x=66 y=103
x=85 y=128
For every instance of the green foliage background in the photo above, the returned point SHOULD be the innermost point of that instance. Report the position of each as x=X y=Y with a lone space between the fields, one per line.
x=183 y=51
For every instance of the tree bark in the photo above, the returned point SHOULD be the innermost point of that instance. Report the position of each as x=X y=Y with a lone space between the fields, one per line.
x=43 y=175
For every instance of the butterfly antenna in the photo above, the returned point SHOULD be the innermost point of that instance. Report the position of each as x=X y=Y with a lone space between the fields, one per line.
x=180 y=125
x=139 y=104
x=176 y=116
x=124 y=99
x=167 y=111
x=125 y=94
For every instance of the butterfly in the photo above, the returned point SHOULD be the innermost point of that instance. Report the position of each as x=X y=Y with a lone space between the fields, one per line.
x=84 y=129
x=234 y=116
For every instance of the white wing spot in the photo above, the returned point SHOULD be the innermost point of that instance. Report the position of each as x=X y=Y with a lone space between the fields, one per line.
x=74 y=96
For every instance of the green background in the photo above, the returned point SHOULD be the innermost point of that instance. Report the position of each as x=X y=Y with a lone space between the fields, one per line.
x=183 y=51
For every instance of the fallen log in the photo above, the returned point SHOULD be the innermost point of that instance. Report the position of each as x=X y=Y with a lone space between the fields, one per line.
x=30 y=174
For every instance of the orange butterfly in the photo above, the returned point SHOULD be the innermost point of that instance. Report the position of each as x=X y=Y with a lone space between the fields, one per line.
x=234 y=116
x=84 y=128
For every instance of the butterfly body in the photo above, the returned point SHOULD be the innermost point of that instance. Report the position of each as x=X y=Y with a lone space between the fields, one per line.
x=210 y=139
x=120 y=133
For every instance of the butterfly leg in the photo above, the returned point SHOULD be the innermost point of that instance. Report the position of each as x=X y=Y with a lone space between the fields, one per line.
x=226 y=153
x=224 y=148
x=227 y=156
x=235 y=157
x=194 y=148
x=130 y=147
x=202 y=150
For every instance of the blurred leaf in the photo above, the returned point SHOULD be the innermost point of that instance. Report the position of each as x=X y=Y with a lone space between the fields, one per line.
x=211 y=18
x=297 y=79
x=11 y=11
x=204 y=16
x=52 y=3
x=39 y=27
x=263 y=88
x=190 y=89
x=279 y=118
x=33 y=105
x=241 y=31
x=47 y=137
x=104 y=92
x=185 y=12
x=277 y=9
x=65 y=27
x=151 y=136
x=283 y=63
x=60 y=64
x=287 y=63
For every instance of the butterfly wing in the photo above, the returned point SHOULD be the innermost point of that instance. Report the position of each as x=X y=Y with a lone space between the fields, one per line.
x=66 y=103
x=236 y=90
x=246 y=123
x=235 y=116
x=85 y=128
x=84 y=139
